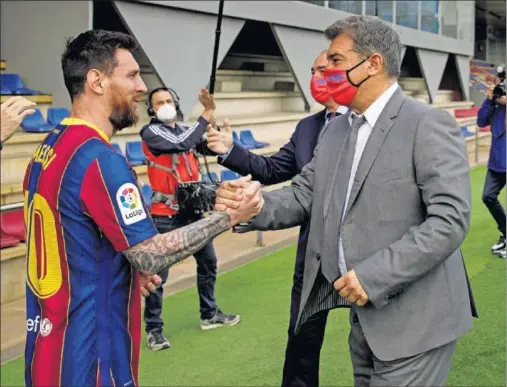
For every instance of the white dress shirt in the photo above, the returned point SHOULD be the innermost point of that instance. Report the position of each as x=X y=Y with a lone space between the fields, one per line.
x=371 y=114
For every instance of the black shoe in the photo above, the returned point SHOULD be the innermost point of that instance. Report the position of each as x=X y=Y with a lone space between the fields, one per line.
x=220 y=319
x=499 y=246
x=157 y=340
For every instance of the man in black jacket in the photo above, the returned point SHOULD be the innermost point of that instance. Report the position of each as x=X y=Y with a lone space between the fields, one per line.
x=170 y=151
x=302 y=355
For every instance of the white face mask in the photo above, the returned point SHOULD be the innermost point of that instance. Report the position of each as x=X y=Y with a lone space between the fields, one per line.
x=166 y=113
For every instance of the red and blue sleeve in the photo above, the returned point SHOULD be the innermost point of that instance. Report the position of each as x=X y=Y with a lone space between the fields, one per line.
x=111 y=197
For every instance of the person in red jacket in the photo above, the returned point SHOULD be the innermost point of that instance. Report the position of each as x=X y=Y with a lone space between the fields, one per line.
x=170 y=152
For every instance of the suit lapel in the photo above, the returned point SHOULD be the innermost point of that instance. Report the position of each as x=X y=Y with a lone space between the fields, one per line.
x=375 y=141
x=341 y=127
x=319 y=121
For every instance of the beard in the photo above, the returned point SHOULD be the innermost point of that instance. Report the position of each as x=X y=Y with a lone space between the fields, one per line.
x=123 y=114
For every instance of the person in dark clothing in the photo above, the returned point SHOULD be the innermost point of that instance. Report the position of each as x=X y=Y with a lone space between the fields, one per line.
x=170 y=152
x=301 y=367
x=492 y=112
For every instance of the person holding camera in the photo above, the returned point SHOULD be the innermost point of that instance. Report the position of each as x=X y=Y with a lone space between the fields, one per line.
x=171 y=158
x=492 y=112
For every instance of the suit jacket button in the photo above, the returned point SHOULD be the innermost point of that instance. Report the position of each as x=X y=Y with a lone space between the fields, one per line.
x=318 y=257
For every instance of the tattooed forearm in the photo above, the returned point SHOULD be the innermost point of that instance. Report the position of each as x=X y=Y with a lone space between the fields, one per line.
x=164 y=250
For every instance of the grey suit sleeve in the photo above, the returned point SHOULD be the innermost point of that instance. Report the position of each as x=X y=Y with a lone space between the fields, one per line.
x=443 y=176
x=289 y=206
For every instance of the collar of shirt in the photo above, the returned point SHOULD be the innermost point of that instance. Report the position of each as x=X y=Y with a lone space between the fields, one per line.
x=375 y=109
x=340 y=110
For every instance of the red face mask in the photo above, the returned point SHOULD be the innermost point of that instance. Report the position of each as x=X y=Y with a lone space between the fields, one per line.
x=339 y=85
x=318 y=87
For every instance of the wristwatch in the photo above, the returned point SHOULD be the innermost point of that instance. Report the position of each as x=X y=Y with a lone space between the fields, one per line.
x=243 y=227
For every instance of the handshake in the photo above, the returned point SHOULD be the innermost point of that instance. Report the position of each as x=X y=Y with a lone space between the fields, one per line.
x=241 y=199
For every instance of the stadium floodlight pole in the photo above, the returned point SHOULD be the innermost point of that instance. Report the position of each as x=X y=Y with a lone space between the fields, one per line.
x=215 y=50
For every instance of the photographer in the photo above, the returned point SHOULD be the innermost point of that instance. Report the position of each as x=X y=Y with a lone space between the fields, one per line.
x=170 y=152
x=492 y=112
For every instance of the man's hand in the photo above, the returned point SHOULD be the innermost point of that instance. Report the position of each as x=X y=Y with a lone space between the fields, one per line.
x=241 y=199
x=13 y=111
x=149 y=283
x=349 y=287
x=501 y=100
x=220 y=142
x=206 y=100
x=489 y=93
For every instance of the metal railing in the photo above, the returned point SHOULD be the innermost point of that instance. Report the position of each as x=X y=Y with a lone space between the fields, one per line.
x=13 y=206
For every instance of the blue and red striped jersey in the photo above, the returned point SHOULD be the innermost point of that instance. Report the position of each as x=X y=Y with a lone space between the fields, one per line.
x=82 y=209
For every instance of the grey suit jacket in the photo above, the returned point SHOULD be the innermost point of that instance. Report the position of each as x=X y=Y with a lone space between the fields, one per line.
x=408 y=214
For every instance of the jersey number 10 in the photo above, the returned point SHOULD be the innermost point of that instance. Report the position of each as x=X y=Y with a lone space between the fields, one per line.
x=44 y=273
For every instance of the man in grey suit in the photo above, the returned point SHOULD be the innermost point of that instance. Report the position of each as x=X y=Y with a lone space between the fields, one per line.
x=388 y=196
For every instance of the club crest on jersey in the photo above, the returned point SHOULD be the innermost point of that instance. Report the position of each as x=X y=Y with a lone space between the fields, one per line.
x=130 y=204
x=46 y=327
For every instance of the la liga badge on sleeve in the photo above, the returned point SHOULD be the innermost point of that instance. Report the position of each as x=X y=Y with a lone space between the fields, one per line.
x=130 y=203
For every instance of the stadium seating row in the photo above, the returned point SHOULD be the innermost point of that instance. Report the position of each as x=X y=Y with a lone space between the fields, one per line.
x=482 y=75
x=13 y=84
x=135 y=155
x=12 y=228
x=35 y=123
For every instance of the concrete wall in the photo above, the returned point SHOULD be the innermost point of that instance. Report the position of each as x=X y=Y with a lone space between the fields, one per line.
x=307 y=16
x=33 y=37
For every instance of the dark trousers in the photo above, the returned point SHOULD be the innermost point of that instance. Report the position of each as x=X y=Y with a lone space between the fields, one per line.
x=302 y=356
x=206 y=277
x=495 y=181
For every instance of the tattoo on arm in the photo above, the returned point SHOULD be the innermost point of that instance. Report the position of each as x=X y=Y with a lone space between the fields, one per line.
x=164 y=250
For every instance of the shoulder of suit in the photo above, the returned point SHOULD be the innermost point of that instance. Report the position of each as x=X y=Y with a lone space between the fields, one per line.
x=418 y=107
x=314 y=118
x=335 y=124
x=418 y=111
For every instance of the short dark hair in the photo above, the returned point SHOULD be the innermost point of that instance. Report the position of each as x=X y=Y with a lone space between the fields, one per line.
x=370 y=35
x=93 y=49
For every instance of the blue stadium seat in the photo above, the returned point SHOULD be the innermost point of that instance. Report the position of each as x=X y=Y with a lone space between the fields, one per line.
x=147 y=192
x=206 y=178
x=117 y=148
x=248 y=139
x=466 y=132
x=237 y=140
x=35 y=123
x=4 y=90
x=56 y=115
x=227 y=174
x=134 y=153
x=14 y=83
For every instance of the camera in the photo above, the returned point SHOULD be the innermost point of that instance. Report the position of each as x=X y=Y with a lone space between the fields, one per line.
x=196 y=198
x=499 y=89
